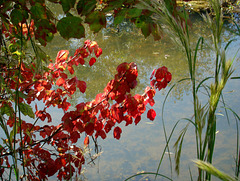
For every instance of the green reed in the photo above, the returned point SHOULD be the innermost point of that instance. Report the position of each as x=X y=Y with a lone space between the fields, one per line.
x=204 y=114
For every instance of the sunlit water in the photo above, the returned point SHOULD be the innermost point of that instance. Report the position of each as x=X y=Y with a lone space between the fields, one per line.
x=140 y=147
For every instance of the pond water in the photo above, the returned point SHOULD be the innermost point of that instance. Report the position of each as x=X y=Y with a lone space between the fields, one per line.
x=140 y=147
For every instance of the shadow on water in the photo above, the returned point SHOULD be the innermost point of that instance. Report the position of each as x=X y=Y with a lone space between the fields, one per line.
x=140 y=147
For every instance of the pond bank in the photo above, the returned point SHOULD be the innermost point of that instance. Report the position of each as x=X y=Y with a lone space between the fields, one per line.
x=203 y=6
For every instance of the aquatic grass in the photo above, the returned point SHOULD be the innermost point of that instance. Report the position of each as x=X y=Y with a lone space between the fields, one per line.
x=209 y=168
x=164 y=128
x=237 y=157
x=204 y=114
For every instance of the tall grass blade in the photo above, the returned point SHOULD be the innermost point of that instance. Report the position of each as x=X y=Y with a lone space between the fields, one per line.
x=224 y=105
x=201 y=83
x=237 y=169
x=190 y=174
x=238 y=28
x=166 y=146
x=213 y=171
x=164 y=128
x=178 y=148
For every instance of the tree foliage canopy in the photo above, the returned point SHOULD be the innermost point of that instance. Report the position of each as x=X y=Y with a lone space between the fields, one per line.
x=38 y=147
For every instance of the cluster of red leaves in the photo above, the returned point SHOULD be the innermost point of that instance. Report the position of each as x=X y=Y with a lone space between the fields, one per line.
x=95 y=118
x=98 y=116
x=160 y=78
x=40 y=87
x=12 y=32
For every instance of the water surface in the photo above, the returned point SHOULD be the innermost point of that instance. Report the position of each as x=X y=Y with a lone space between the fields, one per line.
x=141 y=146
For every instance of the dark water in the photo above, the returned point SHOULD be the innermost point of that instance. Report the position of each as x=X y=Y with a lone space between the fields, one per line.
x=141 y=146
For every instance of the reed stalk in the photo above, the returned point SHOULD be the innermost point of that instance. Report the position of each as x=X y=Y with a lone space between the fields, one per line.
x=204 y=117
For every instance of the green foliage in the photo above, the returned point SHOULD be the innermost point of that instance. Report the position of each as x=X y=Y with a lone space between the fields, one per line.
x=84 y=7
x=45 y=31
x=6 y=110
x=18 y=15
x=26 y=110
x=67 y=5
x=96 y=21
x=134 y=12
x=38 y=11
x=68 y=29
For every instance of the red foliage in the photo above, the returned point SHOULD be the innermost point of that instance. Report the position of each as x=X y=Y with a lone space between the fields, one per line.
x=95 y=118
x=151 y=114
x=117 y=132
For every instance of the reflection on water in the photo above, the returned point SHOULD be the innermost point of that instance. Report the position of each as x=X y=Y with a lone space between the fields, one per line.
x=140 y=147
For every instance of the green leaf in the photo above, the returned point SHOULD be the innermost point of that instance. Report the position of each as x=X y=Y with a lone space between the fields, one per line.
x=96 y=21
x=45 y=31
x=120 y=17
x=116 y=4
x=146 y=29
x=26 y=110
x=71 y=27
x=133 y=13
x=84 y=7
x=156 y=32
x=38 y=11
x=146 y=25
x=12 y=135
x=18 y=16
x=67 y=5
x=22 y=95
x=6 y=109
x=29 y=135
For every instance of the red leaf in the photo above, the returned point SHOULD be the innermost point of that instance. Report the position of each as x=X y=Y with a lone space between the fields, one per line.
x=153 y=73
x=62 y=56
x=65 y=105
x=60 y=82
x=108 y=127
x=82 y=86
x=92 y=46
x=98 y=52
x=49 y=117
x=137 y=120
x=117 y=114
x=117 y=132
x=122 y=68
x=92 y=61
x=102 y=134
x=86 y=141
x=47 y=130
x=80 y=60
x=87 y=42
x=89 y=128
x=98 y=125
x=151 y=114
x=74 y=136
x=151 y=102
x=71 y=70
x=168 y=76
x=67 y=122
x=128 y=120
